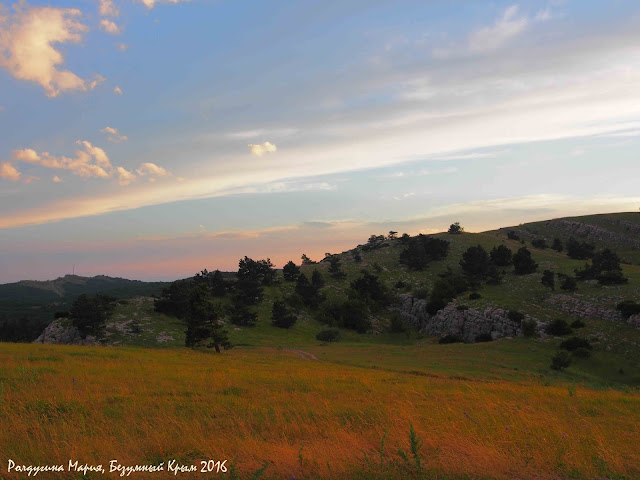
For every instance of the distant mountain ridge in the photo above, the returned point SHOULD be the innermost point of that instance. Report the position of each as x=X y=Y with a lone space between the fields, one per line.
x=69 y=285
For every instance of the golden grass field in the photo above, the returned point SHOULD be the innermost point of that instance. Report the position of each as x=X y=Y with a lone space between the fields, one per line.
x=272 y=414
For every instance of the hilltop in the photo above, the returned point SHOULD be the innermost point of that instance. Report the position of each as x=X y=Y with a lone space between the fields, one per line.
x=391 y=398
x=481 y=311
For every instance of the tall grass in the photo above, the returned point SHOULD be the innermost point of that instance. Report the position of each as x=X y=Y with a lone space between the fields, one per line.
x=273 y=415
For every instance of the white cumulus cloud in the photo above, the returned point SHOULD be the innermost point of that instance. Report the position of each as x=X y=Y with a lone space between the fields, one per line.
x=110 y=26
x=262 y=148
x=9 y=172
x=27 y=52
x=117 y=90
x=114 y=135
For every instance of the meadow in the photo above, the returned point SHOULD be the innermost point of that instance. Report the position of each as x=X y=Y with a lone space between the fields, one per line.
x=272 y=414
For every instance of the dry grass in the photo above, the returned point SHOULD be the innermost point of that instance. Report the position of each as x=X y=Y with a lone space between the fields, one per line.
x=306 y=419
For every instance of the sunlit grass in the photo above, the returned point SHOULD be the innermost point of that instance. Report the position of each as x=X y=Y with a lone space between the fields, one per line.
x=306 y=419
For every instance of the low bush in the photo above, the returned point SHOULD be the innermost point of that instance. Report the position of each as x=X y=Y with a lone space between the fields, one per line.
x=450 y=339
x=529 y=328
x=558 y=328
x=574 y=343
x=484 y=337
x=474 y=296
x=561 y=360
x=329 y=335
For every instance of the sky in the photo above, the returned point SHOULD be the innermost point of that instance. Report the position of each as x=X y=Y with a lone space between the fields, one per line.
x=151 y=139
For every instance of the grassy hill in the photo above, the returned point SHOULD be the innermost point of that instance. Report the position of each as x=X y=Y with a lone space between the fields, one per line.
x=283 y=401
x=35 y=302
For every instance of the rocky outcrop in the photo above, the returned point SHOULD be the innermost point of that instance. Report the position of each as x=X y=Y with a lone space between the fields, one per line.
x=59 y=333
x=466 y=323
x=595 y=233
x=582 y=309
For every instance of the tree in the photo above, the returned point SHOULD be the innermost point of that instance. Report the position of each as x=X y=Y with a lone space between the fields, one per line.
x=89 y=314
x=422 y=250
x=567 y=282
x=370 y=289
x=242 y=316
x=455 y=228
x=548 y=279
x=203 y=325
x=307 y=291
x=281 y=316
x=557 y=245
x=290 y=271
x=523 y=263
x=501 y=256
x=335 y=267
x=392 y=235
x=579 y=250
x=260 y=270
x=306 y=260
x=475 y=261
x=605 y=267
x=214 y=280
x=317 y=280
x=540 y=243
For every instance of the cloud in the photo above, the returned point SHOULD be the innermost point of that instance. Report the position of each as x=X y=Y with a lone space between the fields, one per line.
x=152 y=170
x=508 y=26
x=56 y=179
x=125 y=177
x=117 y=90
x=26 y=47
x=114 y=135
x=122 y=47
x=274 y=132
x=151 y=3
x=110 y=27
x=263 y=148
x=90 y=162
x=108 y=8
x=9 y=172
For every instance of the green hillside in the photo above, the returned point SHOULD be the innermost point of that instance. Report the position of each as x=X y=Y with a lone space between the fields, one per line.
x=615 y=360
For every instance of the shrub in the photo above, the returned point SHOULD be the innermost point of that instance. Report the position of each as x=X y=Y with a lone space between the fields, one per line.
x=529 y=328
x=422 y=293
x=515 y=316
x=484 y=337
x=574 y=343
x=401 y=285
x=578 y=324
x=462 y=308
x=329 y=335
x=539 y=243
x=397 y=325
x=558 y=328
x=560 y=361
x=557 y=245
x=450 y=338
x=567 y=283
x=89 y=314
x=474 y=296
x=628 y=308
x=242 y=317
x=582 y=352
x=281 y=316
x=57 y=315
x=370 y=289
x=512 y=235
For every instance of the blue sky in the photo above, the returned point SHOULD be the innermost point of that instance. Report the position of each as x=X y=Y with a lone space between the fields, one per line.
x=151 y=139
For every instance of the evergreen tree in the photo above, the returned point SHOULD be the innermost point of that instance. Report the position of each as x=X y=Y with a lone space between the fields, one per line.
x=557 y=245
x=475 y=261
x=523 y=263
x=290 y=271
x=501 y=256
x=548 y=279
x=203 y=325
x=281 y=316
